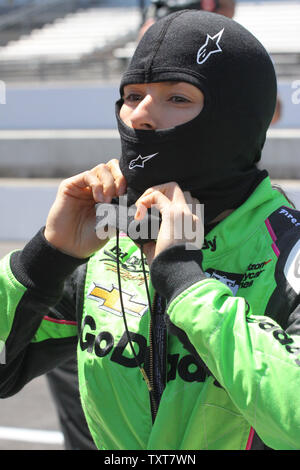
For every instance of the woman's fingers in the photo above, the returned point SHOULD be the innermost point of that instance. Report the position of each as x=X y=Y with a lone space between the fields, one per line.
x=160 y=196
x=180 y=221
x=119 y=178
x=148 y=200
x=171 y=190
x=110 y=181
x=105 y=188
x=101 y=183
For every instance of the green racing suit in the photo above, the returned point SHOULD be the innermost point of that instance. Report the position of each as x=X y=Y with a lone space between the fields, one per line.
x=225 y=370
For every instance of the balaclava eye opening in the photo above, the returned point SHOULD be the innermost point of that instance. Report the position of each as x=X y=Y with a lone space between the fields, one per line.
x=213 y=156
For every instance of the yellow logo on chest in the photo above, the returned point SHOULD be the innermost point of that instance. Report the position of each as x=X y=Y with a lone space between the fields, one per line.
x=109 y=300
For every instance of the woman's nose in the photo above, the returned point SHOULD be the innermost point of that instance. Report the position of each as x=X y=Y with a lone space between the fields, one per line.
x=143 y=116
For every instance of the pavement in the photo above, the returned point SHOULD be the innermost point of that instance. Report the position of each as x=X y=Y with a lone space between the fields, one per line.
x=28 y=420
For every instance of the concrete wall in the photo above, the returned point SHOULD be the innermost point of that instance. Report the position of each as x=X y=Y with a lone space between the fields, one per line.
x=281 y=153
x=59 y=106
x=58 y=130
x=71 y=106
x=24 y=206
x=51 y=154
x=55 y=154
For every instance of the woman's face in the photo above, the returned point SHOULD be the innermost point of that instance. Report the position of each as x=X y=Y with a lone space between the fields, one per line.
x=152 y=106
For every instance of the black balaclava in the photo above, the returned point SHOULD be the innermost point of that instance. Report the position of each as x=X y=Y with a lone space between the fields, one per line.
x=214 y=155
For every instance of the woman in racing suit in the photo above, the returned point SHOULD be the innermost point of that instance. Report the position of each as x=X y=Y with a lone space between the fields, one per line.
x=182 y=342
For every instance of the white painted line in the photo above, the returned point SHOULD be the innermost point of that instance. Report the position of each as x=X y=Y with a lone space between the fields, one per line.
x=283 y=133
x=24 y=134
x=59 y=134
x=31 y=435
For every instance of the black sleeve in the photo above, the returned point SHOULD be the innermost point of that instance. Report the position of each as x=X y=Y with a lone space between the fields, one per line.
x=51 y=280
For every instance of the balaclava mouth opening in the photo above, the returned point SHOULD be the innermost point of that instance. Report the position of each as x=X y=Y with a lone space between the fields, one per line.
x=213 y=156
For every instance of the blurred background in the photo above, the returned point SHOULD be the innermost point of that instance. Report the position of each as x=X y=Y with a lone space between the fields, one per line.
x=60 y=66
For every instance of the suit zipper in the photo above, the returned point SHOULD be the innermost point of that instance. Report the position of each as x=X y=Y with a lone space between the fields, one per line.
x=151 y=376
x=162 y=376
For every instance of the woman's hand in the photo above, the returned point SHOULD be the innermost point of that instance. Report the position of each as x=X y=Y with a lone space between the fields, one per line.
x=70 y=225
x=181 y=218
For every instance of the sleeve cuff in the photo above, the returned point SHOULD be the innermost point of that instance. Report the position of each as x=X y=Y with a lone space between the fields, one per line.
x=176 y=269
x=40 y=265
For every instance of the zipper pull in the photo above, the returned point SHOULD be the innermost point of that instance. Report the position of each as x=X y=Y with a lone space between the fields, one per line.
x=146 y=379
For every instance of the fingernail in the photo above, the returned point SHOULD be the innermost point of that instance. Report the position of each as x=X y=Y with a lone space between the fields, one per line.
x=100 y=197
x=121 y=190
x=137 y=214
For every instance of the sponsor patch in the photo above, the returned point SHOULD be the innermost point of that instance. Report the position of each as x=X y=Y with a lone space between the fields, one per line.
x=288 y=215
x=231 y=280
x=109 y=300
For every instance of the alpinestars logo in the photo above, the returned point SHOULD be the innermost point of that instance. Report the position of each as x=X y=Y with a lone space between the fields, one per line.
x=211 y=46
x=140 y=161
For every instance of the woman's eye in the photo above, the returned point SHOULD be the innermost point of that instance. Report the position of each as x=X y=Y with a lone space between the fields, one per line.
x=179 y=99
x=132 y=97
